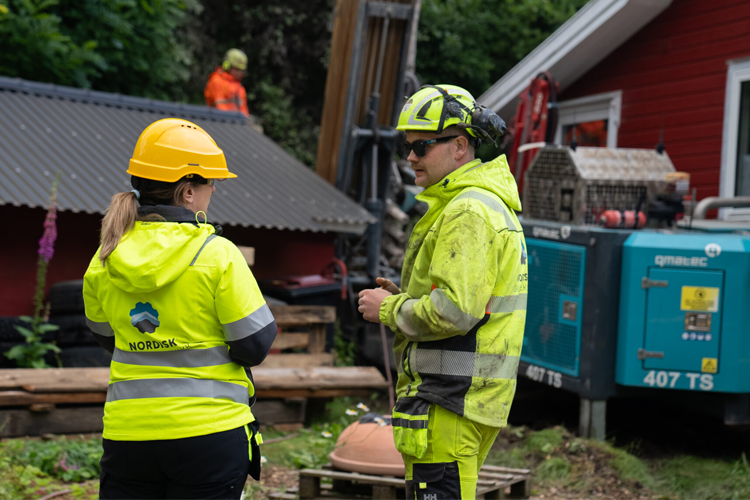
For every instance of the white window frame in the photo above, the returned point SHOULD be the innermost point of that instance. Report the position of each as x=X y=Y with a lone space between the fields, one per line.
x=606 y=106
x=738 y=72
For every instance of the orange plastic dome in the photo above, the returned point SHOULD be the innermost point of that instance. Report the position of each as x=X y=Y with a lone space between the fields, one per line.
x=368 y=449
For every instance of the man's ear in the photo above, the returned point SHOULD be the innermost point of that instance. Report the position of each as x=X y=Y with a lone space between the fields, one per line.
x=462 y=147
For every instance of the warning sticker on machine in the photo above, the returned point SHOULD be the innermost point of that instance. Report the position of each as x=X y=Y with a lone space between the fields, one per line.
x=699 y=298
x=710 y=365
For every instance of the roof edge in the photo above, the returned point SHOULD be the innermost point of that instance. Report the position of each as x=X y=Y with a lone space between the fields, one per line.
x=119 y=100
x=611 y=22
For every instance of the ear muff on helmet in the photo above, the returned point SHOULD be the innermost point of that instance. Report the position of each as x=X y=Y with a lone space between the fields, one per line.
x=481 y=120
x=226 y=65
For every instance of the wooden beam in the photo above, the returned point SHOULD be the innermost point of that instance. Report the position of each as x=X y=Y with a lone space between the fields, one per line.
x=302 y=315
x=55 y=379
x=23 y=398
x=291 y=340
x=297 y=361
x=318 y=377
x=59 y=421
x=307 y=393
x=317 y=343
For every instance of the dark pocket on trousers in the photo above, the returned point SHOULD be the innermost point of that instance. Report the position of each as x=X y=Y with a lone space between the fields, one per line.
x=438 y=481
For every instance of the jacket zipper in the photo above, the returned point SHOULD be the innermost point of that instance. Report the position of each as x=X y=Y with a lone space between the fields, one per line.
x=407 y=368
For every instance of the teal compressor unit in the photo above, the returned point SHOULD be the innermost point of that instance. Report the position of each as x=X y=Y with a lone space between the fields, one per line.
x=625 y=312
x=632 y=312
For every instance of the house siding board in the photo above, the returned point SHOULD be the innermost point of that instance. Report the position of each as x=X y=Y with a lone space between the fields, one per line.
x=90 y=142
x=672 y=74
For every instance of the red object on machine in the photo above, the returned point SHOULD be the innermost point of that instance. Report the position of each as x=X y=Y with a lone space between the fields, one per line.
x=616 y=219
x=535 y=123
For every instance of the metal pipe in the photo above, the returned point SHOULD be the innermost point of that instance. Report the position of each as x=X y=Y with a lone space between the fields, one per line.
x=707 y=204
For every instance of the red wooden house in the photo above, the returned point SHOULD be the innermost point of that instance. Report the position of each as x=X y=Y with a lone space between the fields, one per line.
x=638 y=71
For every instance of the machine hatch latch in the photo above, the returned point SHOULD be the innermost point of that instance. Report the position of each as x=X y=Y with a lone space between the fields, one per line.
x=644 y=354
x=647 y=283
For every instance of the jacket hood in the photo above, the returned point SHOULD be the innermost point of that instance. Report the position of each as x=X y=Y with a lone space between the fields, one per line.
x=154 y=254
x=493 y=176
x=219 y=71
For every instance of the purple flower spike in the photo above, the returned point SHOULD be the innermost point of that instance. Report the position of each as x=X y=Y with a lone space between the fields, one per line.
x=47 y=243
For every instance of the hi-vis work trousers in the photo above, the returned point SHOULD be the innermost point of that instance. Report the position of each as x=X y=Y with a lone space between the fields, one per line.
x=456 y=449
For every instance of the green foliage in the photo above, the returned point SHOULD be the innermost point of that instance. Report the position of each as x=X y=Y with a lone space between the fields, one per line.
x=346 y=350
x=545 y=441
x=33 y=46
x=31 y=353
x=140 y=42
x=472 y=43
x=553 y=469
x=128 y=46
x=70 y=460
x=694 y=477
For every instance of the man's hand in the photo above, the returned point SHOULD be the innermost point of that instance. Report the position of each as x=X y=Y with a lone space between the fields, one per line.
x=387 y=284
x=369 y=303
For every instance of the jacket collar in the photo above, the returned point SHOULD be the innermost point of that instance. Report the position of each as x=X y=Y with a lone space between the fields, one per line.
x=170 y=213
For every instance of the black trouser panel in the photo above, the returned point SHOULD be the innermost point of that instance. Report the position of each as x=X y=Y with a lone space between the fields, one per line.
x=210 y=466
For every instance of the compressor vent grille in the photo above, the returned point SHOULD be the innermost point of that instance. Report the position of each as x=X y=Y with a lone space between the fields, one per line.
x=555 y=274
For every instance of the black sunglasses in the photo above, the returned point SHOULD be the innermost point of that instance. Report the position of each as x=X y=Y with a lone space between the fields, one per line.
x=419 y=147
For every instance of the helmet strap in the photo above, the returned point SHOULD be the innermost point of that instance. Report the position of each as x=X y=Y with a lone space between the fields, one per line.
x=448 y=101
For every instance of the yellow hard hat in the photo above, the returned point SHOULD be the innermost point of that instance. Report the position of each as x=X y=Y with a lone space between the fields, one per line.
x=172 y=148
x=235 y=58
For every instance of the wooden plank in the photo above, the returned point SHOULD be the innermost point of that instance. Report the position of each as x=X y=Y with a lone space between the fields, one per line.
x=84 y=419
x=302 y=315
x=248 y=253
x=507 y=470
x=317 y=377
x=291 y=340
x=297 y=361
x=307 y=393
x=23 y=398
x=317 y=342
x=350 y=476
x=280 y=412
x=55 y=379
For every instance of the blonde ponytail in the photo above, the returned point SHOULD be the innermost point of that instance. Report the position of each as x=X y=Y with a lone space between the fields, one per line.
x=119 y=219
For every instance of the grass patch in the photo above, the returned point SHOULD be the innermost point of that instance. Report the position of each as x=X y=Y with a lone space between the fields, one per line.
x=703 y=478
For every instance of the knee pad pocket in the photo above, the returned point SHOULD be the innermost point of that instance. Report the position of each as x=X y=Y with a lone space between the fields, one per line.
x=436 y=481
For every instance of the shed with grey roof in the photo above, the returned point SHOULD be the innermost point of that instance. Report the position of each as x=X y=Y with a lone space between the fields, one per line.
x=89 y=136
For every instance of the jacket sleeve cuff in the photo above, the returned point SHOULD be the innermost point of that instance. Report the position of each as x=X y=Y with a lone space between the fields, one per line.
x=388 y=310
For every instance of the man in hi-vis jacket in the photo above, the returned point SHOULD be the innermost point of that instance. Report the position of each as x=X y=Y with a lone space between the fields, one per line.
x=460 y=314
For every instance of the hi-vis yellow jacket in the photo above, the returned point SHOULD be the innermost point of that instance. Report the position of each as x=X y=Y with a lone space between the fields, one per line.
x=187 y=317
x=460 y=317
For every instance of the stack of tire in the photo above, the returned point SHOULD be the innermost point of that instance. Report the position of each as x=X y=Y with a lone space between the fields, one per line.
x=79 y=348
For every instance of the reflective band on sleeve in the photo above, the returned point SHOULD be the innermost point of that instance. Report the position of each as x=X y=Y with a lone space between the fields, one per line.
x=465 y=364
x=492 y=203
x=250 y=324
x=404 y=318
x=185 y=358
x=176 y=388
x=450 y=311
x=210 y=237
x=409 y=424
x=100 y=328
x=508 y=304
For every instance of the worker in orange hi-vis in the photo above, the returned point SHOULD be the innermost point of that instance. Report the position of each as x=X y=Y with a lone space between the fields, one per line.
x=224 y=90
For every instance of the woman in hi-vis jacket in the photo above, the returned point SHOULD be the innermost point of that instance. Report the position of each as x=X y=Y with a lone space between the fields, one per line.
x=182 y=315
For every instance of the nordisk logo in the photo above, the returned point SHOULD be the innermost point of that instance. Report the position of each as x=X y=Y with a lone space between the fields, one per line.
x=713 y=250
x=543 y=232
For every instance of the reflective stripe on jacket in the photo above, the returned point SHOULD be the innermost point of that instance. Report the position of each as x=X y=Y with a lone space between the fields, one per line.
x=459 y=321
x=186 y=314
x=224 y=92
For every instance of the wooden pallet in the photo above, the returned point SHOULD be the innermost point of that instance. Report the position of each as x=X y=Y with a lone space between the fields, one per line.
x=492 y=484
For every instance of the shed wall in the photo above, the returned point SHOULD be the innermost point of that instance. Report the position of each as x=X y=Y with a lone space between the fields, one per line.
x=672 y=74
x=278 y=253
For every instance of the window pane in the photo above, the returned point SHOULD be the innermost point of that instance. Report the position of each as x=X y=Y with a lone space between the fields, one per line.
x=742 y=185
x=591 y=134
